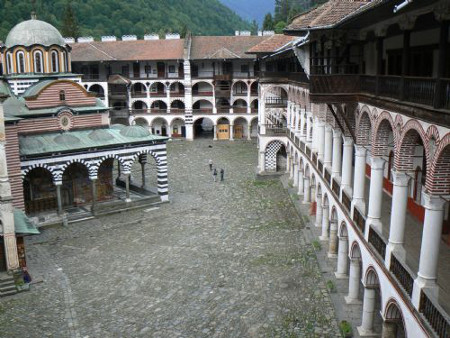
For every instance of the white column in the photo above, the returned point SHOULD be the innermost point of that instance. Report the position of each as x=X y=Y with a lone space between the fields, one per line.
x=359 y=179
x=249 y=132
x=295 y=175
x=429 y=251
x=302 y=124
x=307 y=191
x=261 y=164
x=347 y=165
x=314 y=143
x=337 y=153
x=328 y=148
x=398 y=216
x=231 y=132
x=319 y=212
x=320 y=139
x=296 y=121
x=325 y=223
x=375 y=194
x=333 y=242
x=342 y=261
x=308 y=130
x=215 y=132
x=353 y=282
x=300 y=183
x=366 y=327
x=291 y=167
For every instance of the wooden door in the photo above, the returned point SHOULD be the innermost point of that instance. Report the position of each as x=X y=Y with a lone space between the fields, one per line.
x=223 y=131
x=238 y=131
x=161 y=69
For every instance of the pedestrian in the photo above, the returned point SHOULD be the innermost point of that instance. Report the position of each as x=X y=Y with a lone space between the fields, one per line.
x=215 y=175
x=222 y=173
x=210 y=165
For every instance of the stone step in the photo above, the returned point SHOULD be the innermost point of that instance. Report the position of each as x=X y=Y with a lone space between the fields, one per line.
x=8 y=293
x=7 y=286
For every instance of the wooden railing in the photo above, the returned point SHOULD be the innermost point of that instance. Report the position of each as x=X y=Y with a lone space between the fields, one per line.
x=444 y=93
x=335 y=84
x=420 y=90
x=276 y=102
x=389 y=86
x=435 y=315
x=359 y=220
x=272 y=130
x=377 y=242
x=403 y=276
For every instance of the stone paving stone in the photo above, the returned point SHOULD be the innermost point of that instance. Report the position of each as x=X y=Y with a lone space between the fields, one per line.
x=222 y=259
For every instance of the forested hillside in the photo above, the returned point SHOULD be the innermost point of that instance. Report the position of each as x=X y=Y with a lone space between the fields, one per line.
x=118 y=17
x=250 y=9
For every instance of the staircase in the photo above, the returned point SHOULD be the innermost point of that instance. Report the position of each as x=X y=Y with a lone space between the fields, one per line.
x=7 y=285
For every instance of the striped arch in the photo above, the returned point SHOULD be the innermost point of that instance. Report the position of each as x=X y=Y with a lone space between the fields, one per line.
x=433 y=133
x=89 y=166
x=51 y=169
x=96 y=165
x=270 y=155
x=438 y=180
x=384 y=125
x=411 y=134
x=364 y=128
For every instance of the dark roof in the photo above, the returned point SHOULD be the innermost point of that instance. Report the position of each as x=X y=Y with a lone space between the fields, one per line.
x=271 y=44
x=128 y=50
x=327 y=14
x=223 y=47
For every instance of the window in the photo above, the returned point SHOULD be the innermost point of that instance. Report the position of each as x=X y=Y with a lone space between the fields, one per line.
x=66 y=62
x=55 y=62
x=62 y=95
x=126 y=70
x=9 y=63
x=38 y=66
x=20 y=59
x=244 y=69
x=171 y=69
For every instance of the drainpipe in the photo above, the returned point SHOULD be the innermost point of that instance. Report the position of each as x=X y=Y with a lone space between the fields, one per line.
x=402 y=5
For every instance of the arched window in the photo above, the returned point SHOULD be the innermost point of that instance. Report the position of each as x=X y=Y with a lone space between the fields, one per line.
x=20 y=59
x=9 y=63
x=66 y=63
x=38 y=66
x=55 y=62
x=62 y=95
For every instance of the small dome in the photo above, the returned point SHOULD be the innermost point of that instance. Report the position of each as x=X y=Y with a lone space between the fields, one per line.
x=134 y=131
x=100 y=135
x=117 y=126
x=66 y=139
x=31 y=143
x=32 y=32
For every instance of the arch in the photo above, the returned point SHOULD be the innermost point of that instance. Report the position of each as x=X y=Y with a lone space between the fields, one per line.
x=412 y=136
x=105 y=180
x=176 y=89
x=157 y=89
x=39 y=190
x=98 y=90
x=240 y=128
x=203 y=106
x=20 y=62
x=54 y=61
x=38 y=62
x=355 y=251
x=239 y=88
x=254 y=105
x=139 y=105
x=138 y=89
x=202 y=88
x=394 y=315
x=178 y=128
x=440 y=172
x=158 y=106
x=271 y=157
x=343 y=232
x=177 y=106
x=364 y=129
x=383 y=132
x=333 y=215
x=254 y=88
x=9 y=63
x=66 y=62
x=159 y=126
x=203 y=127
x=371 y=278
x=223 y=120
x=76 y=185
x=141 y=122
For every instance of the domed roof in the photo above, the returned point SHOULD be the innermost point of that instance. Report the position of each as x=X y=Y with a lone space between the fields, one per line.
x=134 y=131
x=100 y=135
x=33 y=32
x=31 y=143
x=66 y=139
x=118 y=126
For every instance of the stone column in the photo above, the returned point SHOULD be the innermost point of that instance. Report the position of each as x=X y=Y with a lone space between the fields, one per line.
x=291 y=167
x=398 y=216
x=58 y=197
x=262 y=165
x=231 y=132
x=215 y=132
x=333 y=243
x=302 y=124
x=300 y=183
x=366 y=328
x=94 y=194
x=320 y=139
x=127 y=187
x=353 y=282
x=314 y=135
x=319 y=212
x=307 y=191
x=359 y=182
x=337 y=153
x=325 y=223
x=429 y=251
x=328 y=148
x=347 y=164
x=249 y=132
x=375 y=194
x=143 y=162
x=342 y=261
x=295 y=175
x=308 y=131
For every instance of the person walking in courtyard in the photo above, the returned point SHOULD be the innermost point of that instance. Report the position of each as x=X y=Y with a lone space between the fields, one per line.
x=215 y=175
x=210 y=165
x=222 y=173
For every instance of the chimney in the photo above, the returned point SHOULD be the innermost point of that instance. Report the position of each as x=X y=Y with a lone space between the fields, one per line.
x=151 y=36
x=108 y=38
x=129 y=37
x=172 y=36
x=84 y=39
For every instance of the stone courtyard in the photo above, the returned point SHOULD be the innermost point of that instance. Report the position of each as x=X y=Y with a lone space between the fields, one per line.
x=222 y=259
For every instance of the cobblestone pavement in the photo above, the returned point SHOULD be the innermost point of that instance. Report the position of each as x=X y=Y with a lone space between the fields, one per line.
x=223 y=259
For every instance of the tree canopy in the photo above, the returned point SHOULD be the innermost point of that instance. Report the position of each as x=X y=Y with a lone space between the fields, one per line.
x=117 y=17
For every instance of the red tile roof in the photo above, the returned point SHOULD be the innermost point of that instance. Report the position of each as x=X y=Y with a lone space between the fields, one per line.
x=271 y=44
x=328 y=14
x=128 y=50
x=223 y=47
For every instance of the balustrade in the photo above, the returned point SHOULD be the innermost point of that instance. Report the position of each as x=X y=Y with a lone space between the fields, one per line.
x=327 y=176
x=346 y=201
x=435 y=315
x=359 y=220
x=377 y=242
x=336 y=188
x=403 y=276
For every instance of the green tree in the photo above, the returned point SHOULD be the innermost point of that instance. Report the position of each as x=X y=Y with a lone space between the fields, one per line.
x=268 y=22
x=279 y=27
x=254 y=27
x=70 y=23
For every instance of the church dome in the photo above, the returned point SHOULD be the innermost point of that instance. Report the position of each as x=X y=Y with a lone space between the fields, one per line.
x=134 y=131
x=34 y=32
x=66 y=139
x=100 y=135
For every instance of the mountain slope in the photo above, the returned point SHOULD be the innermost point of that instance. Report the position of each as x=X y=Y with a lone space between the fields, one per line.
x=251 y=9
x=117 y=17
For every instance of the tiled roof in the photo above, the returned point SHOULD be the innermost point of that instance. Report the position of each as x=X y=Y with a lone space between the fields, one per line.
x=223 y=47
x=128 y=50
x=271 y=44
x=328 y=14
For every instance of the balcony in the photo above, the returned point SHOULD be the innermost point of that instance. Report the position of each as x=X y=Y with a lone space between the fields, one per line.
x=274 y=130
x=276 y=102
x=177 y=93
x=202 y=111
x=283 y=77
x=139 y=94
x=158 y=94
x=416 y=90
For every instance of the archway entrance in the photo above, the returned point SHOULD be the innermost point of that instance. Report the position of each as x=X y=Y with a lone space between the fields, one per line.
x=223 y=129
x=39 y=191
x=203 y=128
x=76 y=186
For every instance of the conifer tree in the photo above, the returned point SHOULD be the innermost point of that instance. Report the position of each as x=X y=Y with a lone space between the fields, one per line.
x=70 y=24
x=268 y=22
